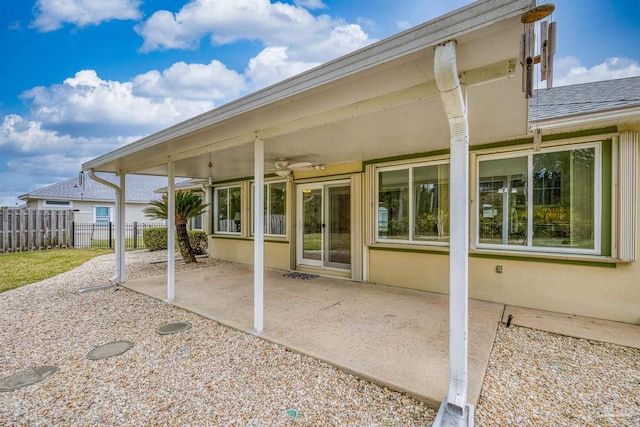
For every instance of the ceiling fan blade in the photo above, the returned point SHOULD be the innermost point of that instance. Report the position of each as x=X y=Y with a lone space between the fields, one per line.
x=300 y=165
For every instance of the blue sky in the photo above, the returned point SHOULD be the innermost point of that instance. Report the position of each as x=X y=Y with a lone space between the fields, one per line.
x=80 y=78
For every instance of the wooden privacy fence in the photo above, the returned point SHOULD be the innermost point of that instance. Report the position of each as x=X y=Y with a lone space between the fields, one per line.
x=29 y=230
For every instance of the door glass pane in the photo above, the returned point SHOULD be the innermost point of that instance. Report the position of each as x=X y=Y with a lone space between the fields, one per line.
x=563 y=199
x=339 y=233
x=312 y=224
x=393 y=205
x=502 y=201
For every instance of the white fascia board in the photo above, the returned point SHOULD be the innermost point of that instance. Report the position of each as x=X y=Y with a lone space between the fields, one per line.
x=455 y=24
x=586 y=119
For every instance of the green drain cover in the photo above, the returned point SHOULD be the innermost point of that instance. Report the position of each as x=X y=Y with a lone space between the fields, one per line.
x=109 y=350
x=173 y=328
x=29 y=376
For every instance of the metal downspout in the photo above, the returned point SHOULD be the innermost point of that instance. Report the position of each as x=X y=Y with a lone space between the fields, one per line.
x=119 y=226
x=455 y=411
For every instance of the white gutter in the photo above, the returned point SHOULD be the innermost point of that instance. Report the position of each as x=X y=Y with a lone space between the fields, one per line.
x=454 y=409
x=119 y=275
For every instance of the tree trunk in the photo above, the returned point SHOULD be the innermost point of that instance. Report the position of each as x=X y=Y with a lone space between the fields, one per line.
x=183 y=243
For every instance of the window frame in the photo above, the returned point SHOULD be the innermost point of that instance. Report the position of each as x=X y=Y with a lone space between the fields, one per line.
x=267 y=205
x=95 y=214
x=405 y=166
x=216 y=204
x=529 y=247
x=58 y=203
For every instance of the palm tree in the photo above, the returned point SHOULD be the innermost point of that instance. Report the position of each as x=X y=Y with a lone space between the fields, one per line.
x=188 y=205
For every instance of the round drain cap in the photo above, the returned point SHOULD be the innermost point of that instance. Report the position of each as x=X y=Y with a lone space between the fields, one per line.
x=109 y=350
x=29 y=376
x=173 y=328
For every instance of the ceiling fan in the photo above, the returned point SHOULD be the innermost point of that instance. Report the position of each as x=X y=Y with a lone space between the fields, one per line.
x=283 y=167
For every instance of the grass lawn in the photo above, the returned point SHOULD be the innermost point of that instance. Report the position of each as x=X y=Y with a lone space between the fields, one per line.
x=17 y=269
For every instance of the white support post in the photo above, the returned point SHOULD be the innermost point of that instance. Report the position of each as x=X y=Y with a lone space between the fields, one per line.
x=171 y=233
x=120 y=226
x=455 y=410
x=258 y=236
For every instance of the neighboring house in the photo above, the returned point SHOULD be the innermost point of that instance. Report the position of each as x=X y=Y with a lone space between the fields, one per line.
x=93 y=202
x=552 y=223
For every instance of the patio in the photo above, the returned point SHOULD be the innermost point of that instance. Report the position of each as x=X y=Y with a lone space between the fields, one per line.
x=391 y=336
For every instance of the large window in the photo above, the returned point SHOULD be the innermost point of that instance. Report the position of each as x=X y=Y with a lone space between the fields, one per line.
x=547 y=200
x=275 y=208
x=413 y=203
x=228 y=218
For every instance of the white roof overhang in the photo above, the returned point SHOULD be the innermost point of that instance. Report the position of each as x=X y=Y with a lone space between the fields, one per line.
x=376 y=102
x=629 y=116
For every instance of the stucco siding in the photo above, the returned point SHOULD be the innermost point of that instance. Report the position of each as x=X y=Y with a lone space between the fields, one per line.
x=276 y=255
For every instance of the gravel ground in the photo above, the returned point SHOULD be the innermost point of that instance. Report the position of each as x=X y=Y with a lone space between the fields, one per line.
x=208 y=375
x=212 y=375
x=543 y=379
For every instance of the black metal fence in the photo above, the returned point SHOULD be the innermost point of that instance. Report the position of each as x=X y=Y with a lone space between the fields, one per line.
x=103 y=235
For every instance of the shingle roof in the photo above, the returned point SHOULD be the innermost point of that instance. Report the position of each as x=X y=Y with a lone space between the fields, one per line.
x=139 y=188
x=585 y=98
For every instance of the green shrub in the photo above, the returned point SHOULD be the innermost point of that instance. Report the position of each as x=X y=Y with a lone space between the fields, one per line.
x=155 y=239
x=198 y=242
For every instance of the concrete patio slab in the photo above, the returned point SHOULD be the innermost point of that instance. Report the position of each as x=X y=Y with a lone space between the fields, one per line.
x=392 y=336
x=625 y=334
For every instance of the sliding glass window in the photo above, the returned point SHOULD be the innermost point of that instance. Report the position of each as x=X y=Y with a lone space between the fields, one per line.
x=413 y=203
x=548 y=200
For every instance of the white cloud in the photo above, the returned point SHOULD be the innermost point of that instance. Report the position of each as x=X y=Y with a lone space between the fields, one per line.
x=273 y=24
x=403 y=25
x=27 y=136
x=272 y=65
x=23 y=137
x=568 y=70
x=310 y=4
x=294 y=39
x=108 y=107
x=33 y=156
x=210 y=82
x=50 y=15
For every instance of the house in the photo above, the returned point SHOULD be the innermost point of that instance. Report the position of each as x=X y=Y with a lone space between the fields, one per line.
x=93 y=202
x=415 y=162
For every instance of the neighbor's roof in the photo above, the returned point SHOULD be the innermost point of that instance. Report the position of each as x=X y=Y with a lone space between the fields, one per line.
x=585 y=98
x=139 y=188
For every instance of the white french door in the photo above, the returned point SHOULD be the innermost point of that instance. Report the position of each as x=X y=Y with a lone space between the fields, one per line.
x=324 y=225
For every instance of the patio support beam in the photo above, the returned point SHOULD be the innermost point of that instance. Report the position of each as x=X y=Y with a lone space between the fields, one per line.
x=455 y=411
x=258 y=236
x=120 y=225
x=171 y=232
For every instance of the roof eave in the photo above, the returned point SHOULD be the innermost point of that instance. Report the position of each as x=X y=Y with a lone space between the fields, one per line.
x=565 y=122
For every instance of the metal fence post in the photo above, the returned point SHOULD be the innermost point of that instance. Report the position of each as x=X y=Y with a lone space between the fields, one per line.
x=135 y=235
x=110 y=235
